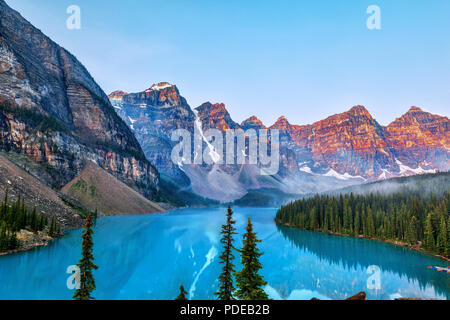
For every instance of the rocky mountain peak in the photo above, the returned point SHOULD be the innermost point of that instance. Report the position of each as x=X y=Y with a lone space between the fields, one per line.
x=161 y=86
x=253 y=123
x=281 y=124
x=215 y=116
x=117 y=95
x=421 y=139
x=153 y=115
x=164 y=92
x=359 y=111
x=414 y=109
x=417 y=116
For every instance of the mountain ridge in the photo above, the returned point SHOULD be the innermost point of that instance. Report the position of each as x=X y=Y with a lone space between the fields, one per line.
x=53 y=111
x=348 y=147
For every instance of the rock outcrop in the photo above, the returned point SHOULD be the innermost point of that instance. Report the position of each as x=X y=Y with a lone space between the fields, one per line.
x=153 y=115
x=354 y=144
x=215 y=116
x=420 y=139
x=52 y=111
x=252 y=123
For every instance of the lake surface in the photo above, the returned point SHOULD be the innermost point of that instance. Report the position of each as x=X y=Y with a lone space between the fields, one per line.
x=148 y=257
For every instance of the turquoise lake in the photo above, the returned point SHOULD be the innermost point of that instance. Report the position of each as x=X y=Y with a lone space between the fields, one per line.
x=148 y=257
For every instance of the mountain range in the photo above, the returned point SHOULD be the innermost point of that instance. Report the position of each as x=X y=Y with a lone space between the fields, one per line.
x=344 y=149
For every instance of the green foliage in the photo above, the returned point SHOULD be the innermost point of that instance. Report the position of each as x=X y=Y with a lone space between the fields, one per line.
x=429 y=242
x=249 y=282
x=226 y=286
x=86 y=265
x=409 y=217
x=80 y=185
x=17 y=217
x=81 y=211
x=182 y=296
x=443 y=246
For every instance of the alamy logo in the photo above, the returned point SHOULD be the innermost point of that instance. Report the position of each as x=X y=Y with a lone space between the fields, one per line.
x=241 y=147
x=374 y=281
x=74 y=20
x=374 y=21
x=74 y=281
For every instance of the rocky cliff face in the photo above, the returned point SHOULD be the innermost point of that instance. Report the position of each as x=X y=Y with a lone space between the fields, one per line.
x=153 y=115
x=252 y=123
x=351 y=142
x=215 y=116
x=421 y=139
x=54 y=112
x=354 y=144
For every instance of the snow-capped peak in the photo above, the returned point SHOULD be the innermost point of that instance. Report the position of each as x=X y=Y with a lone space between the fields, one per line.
x=160 y=86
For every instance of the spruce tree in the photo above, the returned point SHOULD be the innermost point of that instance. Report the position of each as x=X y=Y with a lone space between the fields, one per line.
x=226 y=286
x=357 y=224
x=412 y=231
x=86 y=265
x=442 y=237
x=182 y=296
x=429 y=237
x=249 y=282
x=34 y=224
x=52 y=228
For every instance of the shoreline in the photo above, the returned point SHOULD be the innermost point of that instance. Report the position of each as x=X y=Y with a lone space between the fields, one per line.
x=392 y=242
x=26 y=248
x=45 y=243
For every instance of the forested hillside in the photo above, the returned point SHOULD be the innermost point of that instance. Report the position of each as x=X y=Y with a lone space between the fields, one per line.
x=412 y=216
x=17 y=218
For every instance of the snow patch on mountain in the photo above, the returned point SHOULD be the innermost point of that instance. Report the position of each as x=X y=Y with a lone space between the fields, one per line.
x=345 y=176
x=133 y=121
x=160 y=86
x=384 y=175
x=306 y=169
x=405 y=170
x=198 y=125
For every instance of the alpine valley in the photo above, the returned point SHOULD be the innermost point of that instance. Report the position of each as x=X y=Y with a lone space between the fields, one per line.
x=70 y=153
x=55 y=119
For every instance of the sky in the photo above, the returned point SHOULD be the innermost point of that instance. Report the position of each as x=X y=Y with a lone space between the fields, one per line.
x=304 y=59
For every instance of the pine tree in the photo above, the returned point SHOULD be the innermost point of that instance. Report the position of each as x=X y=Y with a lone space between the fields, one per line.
x=182 y=296
x=313 y=219
x=86 y=265
x=5 y=204
x=248 y=280
x=401 y=216
x=412 y=231
x=429 y=237
x=442 y=237
x=34 y=221
x=226 y=286
x=357 y=227
x=52 y=230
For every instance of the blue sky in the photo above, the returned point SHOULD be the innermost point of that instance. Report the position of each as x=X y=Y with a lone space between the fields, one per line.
x=305 y=59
